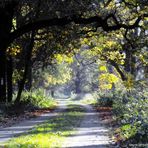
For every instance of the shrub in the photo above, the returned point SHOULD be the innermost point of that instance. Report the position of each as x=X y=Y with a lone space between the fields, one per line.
x=131 y=110
x=38 y=98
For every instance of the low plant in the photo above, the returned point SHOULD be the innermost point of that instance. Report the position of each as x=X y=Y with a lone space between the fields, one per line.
x=38 y=98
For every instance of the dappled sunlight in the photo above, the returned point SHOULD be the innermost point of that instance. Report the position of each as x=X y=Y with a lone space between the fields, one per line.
x=91 y=132
x=73 y=73
x=54 y=131
x=9 y=132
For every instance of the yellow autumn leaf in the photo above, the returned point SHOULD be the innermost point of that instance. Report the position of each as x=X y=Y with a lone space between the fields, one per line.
x=103 y=68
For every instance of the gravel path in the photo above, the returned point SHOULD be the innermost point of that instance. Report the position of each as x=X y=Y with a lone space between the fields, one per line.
x=23 y=127
x=91 y=133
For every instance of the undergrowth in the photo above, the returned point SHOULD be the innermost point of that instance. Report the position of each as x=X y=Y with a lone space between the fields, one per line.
x=30 y=102
x=130 y=110
x=38 y=98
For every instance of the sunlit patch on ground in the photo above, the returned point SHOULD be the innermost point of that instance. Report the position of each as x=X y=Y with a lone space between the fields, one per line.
x=52 y=133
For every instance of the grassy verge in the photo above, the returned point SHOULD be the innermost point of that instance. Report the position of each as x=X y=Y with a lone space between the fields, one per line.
x=52 y=133
x=89 y=101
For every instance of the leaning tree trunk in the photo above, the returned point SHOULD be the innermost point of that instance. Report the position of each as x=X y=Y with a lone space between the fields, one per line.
x=27 y=62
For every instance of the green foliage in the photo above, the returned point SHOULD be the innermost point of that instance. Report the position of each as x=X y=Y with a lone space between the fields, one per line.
x=54 y=75
x=38 y=98
x=105 y=101
x=129 y=83
x=14 y=50
x=131 y=110
x=63 y=58
x=103 y=68
x=107 y=80
x=60 y=76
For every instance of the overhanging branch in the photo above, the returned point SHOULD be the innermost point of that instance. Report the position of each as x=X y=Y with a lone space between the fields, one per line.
x=77 y=20
x=116 y=66
x=113 y=63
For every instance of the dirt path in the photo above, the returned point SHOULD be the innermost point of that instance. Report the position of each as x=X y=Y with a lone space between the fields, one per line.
x=91 y=133
x=23 y=126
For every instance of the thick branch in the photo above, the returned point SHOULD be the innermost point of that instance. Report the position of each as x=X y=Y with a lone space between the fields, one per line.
x=113 y=63
x=128 y=40
x=116 y=66
x=67 y=20
x=52 y=22
x=108 y=2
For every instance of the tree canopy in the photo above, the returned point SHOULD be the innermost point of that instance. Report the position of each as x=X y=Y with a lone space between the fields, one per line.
x=33 y=32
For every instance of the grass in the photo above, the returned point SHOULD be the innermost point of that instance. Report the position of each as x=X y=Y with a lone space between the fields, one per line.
x=88 y=101
x=51 y=133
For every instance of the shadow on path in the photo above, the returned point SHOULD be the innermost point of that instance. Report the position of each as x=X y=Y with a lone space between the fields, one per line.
x=91 y=133
x=24 y=126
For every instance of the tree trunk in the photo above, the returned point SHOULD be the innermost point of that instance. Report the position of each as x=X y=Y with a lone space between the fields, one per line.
x=122 y=75
x=130 y=62
x=27 y=62
x=6 y=16
x=133 y=63
x=9 y=79
x=78 y=82
x=2 y=76
x=127 y=64
x=52 y=93
x=29 y=76
x=146 y=72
